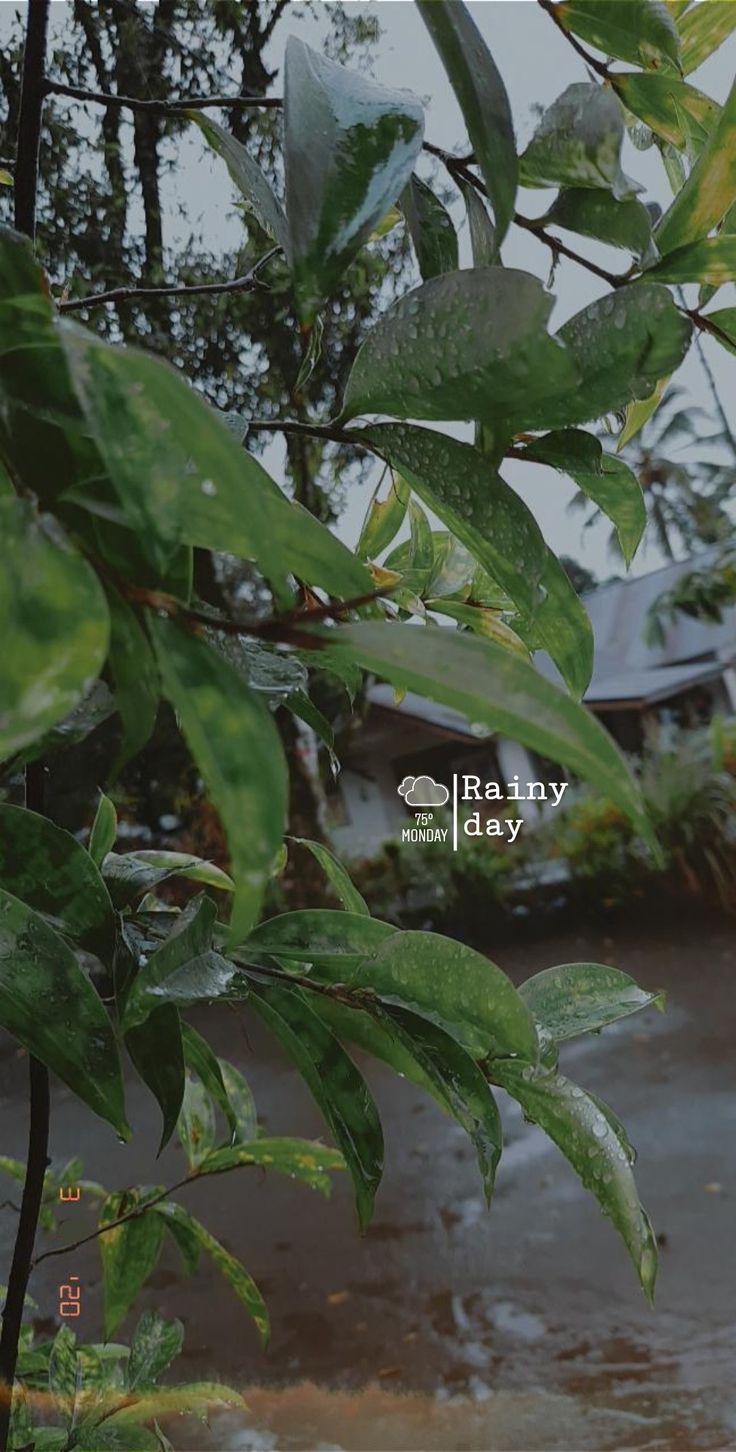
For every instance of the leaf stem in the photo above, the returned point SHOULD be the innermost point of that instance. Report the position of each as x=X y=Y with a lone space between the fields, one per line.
x=590 y=60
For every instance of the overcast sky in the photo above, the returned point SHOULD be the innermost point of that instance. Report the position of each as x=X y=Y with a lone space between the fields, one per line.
x=537 y=64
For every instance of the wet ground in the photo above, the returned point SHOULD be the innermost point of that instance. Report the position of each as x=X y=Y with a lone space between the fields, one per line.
x=448 y=1327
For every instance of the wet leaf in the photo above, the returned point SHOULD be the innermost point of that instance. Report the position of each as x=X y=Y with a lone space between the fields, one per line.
x=604 y=478
x=156 y=1343
x=129 y=875
x=578 y=143
x=430 y=227
x=466 y=345
x=561 y=626
x=725 y=320
x=482 y=231
x=463 y=489
x=240 y=1097
x=483 y=621
x=301 y=1159
x=712 y=260
x=588 y=1139
x=156 y=1050
x=129 y=1253
x=675 y=111
x=104 y=830
x=196 y=1397
x=196 y=1124
x=135 y=678
x=190 y=936
x=640 y=31
x=458 y=1085
x=237 y=748
x=182 y=478
x=74 y=1036
x=202 y=1059
x=491 y=686
x=349 y=148
x=453 y=987
x=247 y=176
x=383 y=520
x=235 y=1274
x=48 y=869
x=597 y=214
x=581 y=998
x=710 y=189
x=54 y=624
x=637 y=414
x=332 y=938
x=482 y=98
x=336 y=1085
x=64 y=1375
x=703 y=28
x=336 y=874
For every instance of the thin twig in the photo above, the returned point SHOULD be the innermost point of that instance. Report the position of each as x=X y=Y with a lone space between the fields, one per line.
x=121 y=1220
x=247 y=283
x=590 y=60
x=299 y=426
x=160 y=108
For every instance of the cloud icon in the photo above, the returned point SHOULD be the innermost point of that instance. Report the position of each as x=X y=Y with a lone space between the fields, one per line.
x=425 y=792
x=406 y=785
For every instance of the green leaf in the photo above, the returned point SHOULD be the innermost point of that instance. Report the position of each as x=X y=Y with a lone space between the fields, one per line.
x=235 y=1274
x=457 y=1083
x=196 y=1397
x=334 y=939
x=190 y=937
x=462 y=346
x=677 y=112
x=40 y=417
x=202 y=979
x=64 y=1373
x=336 y=874
x=349 y=150
x=724 y=319
x=712 y=260
x=336 y=1085
x=453 y=987
x=597 y=214
x=488 y=623
x=463 y=489
x=578 y=143
x=74 y=1036
x=605 y=479
x=710 y=189
x=182 y=477
x=383 y=520
x=703 y=28
x=581 y=998
x=104 y=830
x=237 y=748
x=135 y=678
x=583 y=1130
x=301 y=1159
x=156 y=1343
x=481 y=95
x=637 y=414
x=48 y=869
x=240 y=1096
x=129 y=1253
x=491 y=686
x=201 y=1058
x=54 y=623
x=196 y=1125
x=562 y=627
x=482 y=231
x=247 y=176
x=622 y=344
x=640 y=31
x=129 y=875
x=156 y=1050
x=113 y=1438
x=430 y=228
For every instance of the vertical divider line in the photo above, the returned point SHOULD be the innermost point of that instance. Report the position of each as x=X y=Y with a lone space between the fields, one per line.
x=454 y=811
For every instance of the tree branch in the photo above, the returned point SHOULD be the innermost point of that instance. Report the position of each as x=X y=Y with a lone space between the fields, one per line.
x=247 y=283
x=298 y=426
x=159 y=108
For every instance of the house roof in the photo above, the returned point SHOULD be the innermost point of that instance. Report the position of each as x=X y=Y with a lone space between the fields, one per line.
x=430 y=712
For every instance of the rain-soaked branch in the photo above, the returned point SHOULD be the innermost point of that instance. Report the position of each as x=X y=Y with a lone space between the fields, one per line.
x=160 y=108
x=247 y=283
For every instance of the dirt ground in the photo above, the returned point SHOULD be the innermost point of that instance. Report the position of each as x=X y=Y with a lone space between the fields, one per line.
x=447 y=1326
